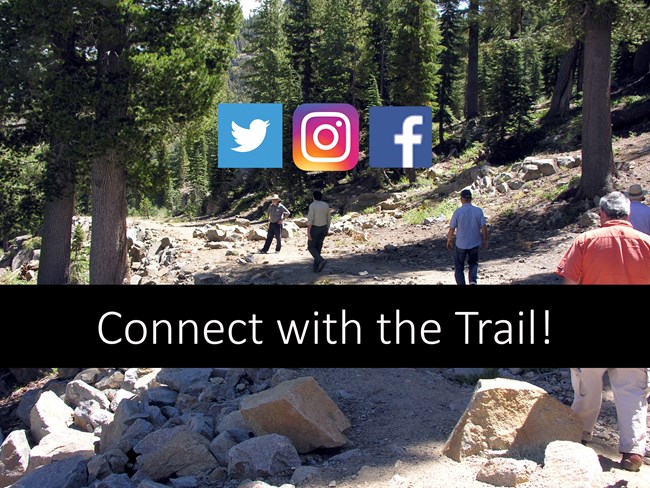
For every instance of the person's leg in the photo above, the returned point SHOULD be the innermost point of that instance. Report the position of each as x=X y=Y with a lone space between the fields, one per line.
x=472 y=262
x=629 y=386
x=312 y=247
x=269 y=238
x=459 y=265
x=587 y=396
x=278 y=237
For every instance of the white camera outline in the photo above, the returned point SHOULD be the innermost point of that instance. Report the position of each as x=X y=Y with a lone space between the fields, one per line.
x=303 y=137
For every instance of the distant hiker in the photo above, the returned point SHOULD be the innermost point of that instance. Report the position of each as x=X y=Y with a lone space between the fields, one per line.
x=318 y=226
x=614 y=254
x=276 y=214
x=639 y=212
x=470 y=226
x=629 y=386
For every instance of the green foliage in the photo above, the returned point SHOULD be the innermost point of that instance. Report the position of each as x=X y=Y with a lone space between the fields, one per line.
x=414 y=30
x=416 y=216
x=33 y=243
x=79 y=265
x=449 y=59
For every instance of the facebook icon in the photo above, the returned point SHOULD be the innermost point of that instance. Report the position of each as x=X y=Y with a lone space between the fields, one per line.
x=400 y=137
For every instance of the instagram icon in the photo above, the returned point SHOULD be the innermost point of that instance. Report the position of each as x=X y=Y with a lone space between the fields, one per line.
x=325 y=137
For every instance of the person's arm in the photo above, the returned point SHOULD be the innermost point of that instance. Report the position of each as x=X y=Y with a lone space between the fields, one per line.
x=310 y=221
x=285 y=214
x=450 y=238
x=484 y=234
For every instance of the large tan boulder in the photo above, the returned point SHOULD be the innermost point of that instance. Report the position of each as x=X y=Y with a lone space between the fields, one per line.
x=62 y=444
x=300 y=410
x=506 y=414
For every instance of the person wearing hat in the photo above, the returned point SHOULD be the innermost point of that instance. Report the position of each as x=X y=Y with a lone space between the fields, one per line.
x=470 y=227
x=639 y=212
x=276 y=214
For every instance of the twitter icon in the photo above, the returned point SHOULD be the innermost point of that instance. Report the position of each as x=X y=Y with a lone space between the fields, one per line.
x=250 y=135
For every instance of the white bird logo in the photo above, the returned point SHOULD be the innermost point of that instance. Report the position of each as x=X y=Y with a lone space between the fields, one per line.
x=251 y=138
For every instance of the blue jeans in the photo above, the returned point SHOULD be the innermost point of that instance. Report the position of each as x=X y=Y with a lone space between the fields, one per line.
x=472 y=260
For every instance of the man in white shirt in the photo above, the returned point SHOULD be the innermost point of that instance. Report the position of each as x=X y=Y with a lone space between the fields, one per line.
x=318 y=225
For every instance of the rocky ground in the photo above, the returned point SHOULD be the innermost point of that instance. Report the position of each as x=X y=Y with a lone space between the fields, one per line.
x=400 y=420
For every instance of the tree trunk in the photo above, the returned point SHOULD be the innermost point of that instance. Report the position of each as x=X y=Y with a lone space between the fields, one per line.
x=560 y=102
x=642 y=59
x=58 y=210
x=471 y=86
x=597 y=157
x=108 y=257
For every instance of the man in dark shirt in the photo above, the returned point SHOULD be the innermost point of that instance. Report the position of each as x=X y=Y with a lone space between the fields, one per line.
x=276 y=214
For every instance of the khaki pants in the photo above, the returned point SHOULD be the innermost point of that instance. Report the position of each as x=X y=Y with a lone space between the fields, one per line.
x=629 y=387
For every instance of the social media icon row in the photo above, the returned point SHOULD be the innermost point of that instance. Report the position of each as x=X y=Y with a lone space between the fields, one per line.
x=325 y=136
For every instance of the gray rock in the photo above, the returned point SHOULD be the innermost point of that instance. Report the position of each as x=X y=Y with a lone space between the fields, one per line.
x=565 y=161
x=126 y=414
x=502 y=187
x=103 y=465
x=119 y=396
x=62 y=444
x=302 y=474
x=530 y=172
x=208 y=279
x=160 y=396
x=283 y=374
x=89 y=415
x=157 y=439
x=199 y=423
x=113 y=381
x=49 y=414
x=231 y=421
x=70 y=473
x=515 y=184
x=588 y=219
x=155 y=416
x=220 y=446
x=184 y=380
x=90 y=375
x=67 y=373
x=185 y=454
x=133 y=434
x=151 y=484
x=263 y=457
x=185 y=482
x=116 y=481
x=14 y=457
x=570 y=464
x=27 y=402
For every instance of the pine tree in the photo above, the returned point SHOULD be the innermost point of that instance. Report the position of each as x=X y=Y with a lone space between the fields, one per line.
x=415 y=43
x=197 y=176
x=449 y=63
x=378 y=43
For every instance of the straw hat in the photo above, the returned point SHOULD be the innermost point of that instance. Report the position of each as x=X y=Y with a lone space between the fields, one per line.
x=636 y=193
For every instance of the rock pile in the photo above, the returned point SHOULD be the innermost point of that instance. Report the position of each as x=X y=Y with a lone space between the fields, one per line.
x=186 y=428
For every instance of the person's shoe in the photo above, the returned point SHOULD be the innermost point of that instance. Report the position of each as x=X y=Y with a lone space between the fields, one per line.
x=631 y=461
x=277 y=251
x=262 y=251
x=321 y=265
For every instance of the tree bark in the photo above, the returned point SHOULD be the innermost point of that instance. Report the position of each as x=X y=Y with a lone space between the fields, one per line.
x=597 y=157
x=642 y=59
x=56 y=232
x=471 y=86
x=108 y=253
x=560 y=102
x=108 y=256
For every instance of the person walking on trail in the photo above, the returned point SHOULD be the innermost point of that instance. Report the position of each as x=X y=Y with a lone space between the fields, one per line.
x=277 y=213
x=470 y=227
x=614 y=254
x=318 y=226
x=639 y=211
x=629 y=387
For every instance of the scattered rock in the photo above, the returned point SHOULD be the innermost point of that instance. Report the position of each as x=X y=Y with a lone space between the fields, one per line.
x=570 y=464
x=184 y=379
x=185 y=454
x=78 y=391
x=588 y=219
x=263 y=457
x=508 y=414
x=506 y=471
x=62 y=444
x=208 y=279
x=14 y=457
x=300 y=410
x=70 y=473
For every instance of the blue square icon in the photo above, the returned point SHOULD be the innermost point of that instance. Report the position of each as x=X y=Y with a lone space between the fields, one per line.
x=250 y=135
x=400 y=137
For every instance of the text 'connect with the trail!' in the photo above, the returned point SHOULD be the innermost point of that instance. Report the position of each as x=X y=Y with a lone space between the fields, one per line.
x=340 y=328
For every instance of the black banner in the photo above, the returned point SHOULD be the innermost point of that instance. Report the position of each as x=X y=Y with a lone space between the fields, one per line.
x=324 y=326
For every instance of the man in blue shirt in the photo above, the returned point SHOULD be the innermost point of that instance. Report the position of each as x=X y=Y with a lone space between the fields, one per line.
x=639 y=212
x=470 y=227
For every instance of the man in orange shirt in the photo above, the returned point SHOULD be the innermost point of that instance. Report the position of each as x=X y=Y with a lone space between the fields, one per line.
x=613 y=254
